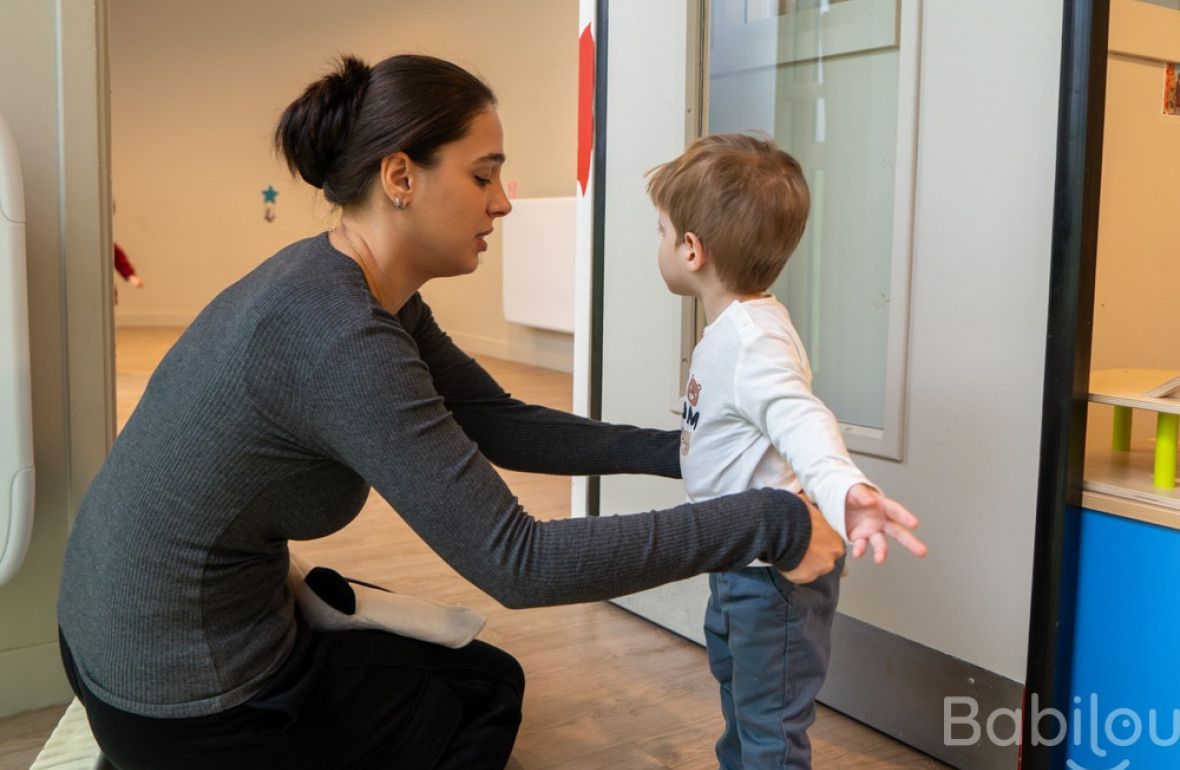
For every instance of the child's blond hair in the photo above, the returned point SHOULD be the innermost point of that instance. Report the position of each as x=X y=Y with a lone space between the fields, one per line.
x=743 y=197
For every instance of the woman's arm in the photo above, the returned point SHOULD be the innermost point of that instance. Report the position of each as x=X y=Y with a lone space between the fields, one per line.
x=526 y=437
x=370 y=403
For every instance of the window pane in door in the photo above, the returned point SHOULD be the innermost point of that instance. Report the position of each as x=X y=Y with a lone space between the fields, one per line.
x=822 y=79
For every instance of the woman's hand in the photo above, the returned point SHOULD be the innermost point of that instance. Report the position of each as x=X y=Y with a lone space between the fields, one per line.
x=824 y=550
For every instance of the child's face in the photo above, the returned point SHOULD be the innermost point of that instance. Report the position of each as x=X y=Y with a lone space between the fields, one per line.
x=672 y=254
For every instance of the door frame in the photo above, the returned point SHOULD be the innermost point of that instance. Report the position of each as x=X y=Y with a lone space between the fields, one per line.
x=1067 y=368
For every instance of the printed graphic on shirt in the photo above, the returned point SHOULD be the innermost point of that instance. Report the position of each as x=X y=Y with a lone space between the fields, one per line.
x=689 y=416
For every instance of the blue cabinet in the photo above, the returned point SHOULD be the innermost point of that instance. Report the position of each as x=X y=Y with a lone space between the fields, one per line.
x=1125 y=709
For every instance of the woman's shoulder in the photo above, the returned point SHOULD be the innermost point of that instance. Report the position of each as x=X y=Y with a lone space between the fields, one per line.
x=311 y=267
x=307 y=285
x=309 y=298
x=292 y=306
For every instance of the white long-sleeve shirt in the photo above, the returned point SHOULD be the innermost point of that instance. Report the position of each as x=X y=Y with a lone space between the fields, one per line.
x=750 y=419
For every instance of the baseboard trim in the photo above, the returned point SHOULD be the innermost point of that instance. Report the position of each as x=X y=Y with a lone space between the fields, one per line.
x=33 y=678
x=900 y=687
x=560 y=359
x=132 y=318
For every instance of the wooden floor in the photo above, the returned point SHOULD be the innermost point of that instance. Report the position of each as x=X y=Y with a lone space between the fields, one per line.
x=606 y=689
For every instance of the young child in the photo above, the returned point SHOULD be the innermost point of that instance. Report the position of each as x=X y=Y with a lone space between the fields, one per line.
x=124 y=268
x=731 y=210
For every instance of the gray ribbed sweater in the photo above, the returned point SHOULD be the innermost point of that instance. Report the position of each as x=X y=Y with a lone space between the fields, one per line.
x=268 y=421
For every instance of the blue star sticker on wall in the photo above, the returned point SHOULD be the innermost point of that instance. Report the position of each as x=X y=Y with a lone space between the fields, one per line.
x=270 y=194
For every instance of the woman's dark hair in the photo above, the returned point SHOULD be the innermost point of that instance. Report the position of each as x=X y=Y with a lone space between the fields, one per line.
x=336 y=134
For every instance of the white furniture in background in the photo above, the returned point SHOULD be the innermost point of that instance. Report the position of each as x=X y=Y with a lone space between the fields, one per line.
x=16 y=418
x=538 y=246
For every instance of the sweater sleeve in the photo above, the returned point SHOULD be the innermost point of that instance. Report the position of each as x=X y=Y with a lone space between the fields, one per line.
x=369 y=403
x=526 y=437
x=772 y=386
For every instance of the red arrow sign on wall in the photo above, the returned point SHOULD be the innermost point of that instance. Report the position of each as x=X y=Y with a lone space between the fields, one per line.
x=585 y=106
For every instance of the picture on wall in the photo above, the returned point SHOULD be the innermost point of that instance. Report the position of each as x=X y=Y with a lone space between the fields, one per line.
x=1172 y=89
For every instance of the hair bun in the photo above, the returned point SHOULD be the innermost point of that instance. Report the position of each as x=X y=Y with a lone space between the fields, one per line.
x=314 y=129
x=352 y=79
x=337 y=133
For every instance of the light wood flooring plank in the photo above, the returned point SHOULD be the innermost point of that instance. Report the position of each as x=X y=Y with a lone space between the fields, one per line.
x=23 y=735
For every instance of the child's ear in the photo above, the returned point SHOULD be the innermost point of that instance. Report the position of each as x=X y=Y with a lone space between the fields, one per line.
x=698 y=255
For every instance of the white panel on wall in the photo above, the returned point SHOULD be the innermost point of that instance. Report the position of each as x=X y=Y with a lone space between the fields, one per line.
x=16 y=413
x=642 y=321
x=538 y=250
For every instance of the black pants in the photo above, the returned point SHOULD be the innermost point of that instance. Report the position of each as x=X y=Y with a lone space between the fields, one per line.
x=349 y=699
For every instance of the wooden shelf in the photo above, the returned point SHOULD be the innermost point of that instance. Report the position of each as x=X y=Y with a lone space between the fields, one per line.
x=1120 y=483
x=1125 y=387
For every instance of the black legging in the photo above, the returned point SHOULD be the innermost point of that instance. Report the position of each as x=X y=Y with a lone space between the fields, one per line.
x=349 y=699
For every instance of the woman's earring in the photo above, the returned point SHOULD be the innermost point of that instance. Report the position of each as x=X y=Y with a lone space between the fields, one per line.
x=399 y=203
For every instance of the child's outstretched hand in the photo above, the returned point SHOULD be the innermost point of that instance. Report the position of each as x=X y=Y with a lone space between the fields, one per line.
x=870 y=516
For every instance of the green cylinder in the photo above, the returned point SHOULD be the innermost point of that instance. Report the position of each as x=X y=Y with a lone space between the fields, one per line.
x=1165 y=450
x=1121 y=438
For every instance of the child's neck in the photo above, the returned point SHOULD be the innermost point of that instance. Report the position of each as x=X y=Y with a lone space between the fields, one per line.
x=715 y=298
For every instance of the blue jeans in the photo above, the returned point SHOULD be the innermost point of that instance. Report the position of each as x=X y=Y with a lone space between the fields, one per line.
x=769 y=641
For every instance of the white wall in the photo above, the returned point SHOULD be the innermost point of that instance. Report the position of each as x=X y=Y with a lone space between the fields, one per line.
x=985 y=174
x=196 y=89
x=50 y=96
